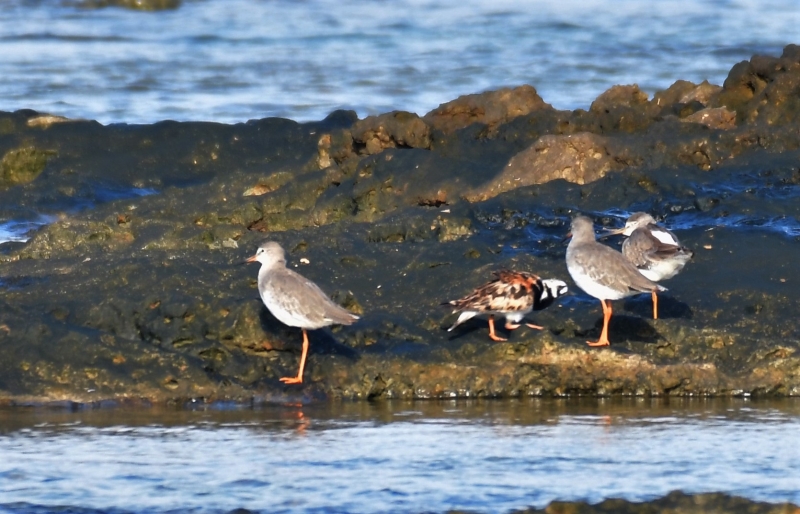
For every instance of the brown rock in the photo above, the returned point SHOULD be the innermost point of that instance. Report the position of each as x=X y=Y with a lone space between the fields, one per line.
x=675 y=93
x=392 y=130
x=492 y=108
x=579 y=158
x=765 y=88
x=703 y=93
x=713 y=117
x=623 y=109
x=740 y=86
x=616 y=96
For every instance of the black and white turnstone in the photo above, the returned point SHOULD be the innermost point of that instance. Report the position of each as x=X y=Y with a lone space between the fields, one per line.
x=294 y=300
x=512 y=294
x=602 y=272
x=654 y=250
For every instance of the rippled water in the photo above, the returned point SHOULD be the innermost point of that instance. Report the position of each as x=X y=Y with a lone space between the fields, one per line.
x=234 y=60
x=399 y=457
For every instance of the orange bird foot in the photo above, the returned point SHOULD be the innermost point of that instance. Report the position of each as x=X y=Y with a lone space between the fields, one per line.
x=509 y=326
x=601 y=342
x=491 y=329
x=292 y=380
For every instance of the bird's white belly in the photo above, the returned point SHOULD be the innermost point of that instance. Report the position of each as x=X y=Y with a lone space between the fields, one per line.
x=594 y=289
x=516 y=317
x=663 y=270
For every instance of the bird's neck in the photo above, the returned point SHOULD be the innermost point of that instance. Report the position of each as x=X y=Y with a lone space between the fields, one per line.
x=267 y=267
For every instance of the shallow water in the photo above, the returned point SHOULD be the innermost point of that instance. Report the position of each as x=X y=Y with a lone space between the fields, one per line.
x=234 y=60
x=400 y=457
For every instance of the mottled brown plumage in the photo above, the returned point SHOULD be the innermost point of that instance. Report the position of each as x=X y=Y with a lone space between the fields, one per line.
x=512 y=294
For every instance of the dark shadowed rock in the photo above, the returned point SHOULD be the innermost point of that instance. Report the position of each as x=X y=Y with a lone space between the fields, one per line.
x=676 y=502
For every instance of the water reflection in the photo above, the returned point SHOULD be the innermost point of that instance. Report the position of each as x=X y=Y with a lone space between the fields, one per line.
x=397 y=456
x=519 y=412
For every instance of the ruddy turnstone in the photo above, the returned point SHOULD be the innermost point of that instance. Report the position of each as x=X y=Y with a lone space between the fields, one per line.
x=602 y=272
x=655 y=251
x=512 y=294
x=294 y=300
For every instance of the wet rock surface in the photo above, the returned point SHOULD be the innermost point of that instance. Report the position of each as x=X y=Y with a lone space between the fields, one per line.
x=676 y=502
x=134 y=288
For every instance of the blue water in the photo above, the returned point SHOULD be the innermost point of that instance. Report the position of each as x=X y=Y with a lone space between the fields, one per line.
x=402 y=457
x=234 y=60
x=20 y=229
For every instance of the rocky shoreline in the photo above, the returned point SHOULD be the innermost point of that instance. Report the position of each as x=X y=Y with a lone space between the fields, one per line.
x=676 y=502
x=135 y=291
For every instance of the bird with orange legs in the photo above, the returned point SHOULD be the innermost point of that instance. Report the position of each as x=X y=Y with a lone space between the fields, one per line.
x=294 y=300
x=654 y=250
x=602 y=272
x=512 y=294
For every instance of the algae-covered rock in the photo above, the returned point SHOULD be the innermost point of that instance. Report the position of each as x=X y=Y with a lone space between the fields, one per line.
x=134 y=285
x=22 y=165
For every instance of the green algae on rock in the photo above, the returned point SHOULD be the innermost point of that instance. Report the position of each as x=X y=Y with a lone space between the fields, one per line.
x=141 y=295
x=22 y=165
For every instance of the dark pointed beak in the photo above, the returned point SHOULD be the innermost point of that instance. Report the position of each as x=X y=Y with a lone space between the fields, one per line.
x=611 y=232
x=566 y=238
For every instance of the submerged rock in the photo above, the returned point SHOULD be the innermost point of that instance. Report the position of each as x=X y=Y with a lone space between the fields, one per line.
x=134 y=287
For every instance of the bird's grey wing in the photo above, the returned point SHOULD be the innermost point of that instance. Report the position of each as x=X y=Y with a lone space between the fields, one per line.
x=644 y=248
x=307 y=299
x=610 y=268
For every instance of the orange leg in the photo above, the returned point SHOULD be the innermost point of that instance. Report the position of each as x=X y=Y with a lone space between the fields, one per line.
x=491 y=329
x=655 y=305
x=299 y=378
x=603 y=341
x=510 y=326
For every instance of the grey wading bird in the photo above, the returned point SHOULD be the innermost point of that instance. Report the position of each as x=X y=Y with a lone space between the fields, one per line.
x=295 y=300
x=602 y=272
x=654 y=250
